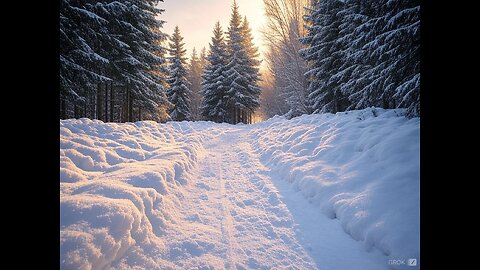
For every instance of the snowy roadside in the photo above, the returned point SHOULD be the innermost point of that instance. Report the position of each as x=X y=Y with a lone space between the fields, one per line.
x=117 y=189
x=360 y=167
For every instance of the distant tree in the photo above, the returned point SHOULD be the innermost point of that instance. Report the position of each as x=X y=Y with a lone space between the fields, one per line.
x=195 y=78
x=179 y=88
x=203 y=58
x=214 y=90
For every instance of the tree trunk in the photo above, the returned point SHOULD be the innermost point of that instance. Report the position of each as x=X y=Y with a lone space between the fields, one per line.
x=238 y=116
x=125 y=105
x=106 y=102
x=139 y=113
x=234 y=120
x=75 y=115
x=99 y=101
x=130 y=107
x=62 y=108
x=91 y=111
x=112 y=103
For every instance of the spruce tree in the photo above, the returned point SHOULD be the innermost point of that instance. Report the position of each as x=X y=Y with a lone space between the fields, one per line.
x=252 y=72
x=81 y=63
x=375 y=50
x=109 y=44
x=241 y=71
x=178 y=92
x=323 y=53
x=138 y=31
x=214 y=89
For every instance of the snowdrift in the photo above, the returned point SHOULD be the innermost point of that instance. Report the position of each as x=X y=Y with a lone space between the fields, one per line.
x=360 y=167
x=118 y=186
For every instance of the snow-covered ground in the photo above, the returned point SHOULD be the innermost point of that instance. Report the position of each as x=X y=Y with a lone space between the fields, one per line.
x=315 y=192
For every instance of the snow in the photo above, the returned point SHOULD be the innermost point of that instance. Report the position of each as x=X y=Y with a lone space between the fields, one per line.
x=315 y=192
x=361 y=168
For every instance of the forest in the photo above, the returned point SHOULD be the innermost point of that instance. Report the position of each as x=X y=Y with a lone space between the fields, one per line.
x=324 y=56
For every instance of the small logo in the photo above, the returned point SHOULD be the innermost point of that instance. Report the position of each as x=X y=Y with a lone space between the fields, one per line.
x=412 y=262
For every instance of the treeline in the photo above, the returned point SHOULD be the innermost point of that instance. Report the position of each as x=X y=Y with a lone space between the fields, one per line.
x=115 y=66
x=343 y=55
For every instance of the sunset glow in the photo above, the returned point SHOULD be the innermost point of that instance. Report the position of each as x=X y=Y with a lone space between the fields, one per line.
x=196 y=19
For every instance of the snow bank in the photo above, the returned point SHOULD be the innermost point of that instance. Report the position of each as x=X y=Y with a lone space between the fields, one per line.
x=360 y=167
x=118 y=185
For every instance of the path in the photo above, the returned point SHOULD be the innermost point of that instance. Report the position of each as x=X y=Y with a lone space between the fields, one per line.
x=235 y=215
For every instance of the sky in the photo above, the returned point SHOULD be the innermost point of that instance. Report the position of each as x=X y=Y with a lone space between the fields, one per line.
x=196 y=19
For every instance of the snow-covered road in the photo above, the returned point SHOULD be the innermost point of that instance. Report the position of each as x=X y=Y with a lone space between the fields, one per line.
x=308 y=193
x=234 y=217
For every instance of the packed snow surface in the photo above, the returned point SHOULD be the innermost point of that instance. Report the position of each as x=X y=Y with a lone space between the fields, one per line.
x=330 y=191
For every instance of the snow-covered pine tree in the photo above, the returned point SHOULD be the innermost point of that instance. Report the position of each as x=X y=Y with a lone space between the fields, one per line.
x=252 y=72
x=323 y=54
x=400 y=55
x=134 y=24
x=352 y=65
x=179 y=88
x=80 y=62
x=240 y=78
x=195 y=78
x=214 y=90
x=381 y=52
x=107 y=42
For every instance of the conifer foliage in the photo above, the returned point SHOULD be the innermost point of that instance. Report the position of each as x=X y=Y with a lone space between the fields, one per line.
x=230 y=86
x=214 y=87
x=241 y=75
x=363 y=53
x=179 y=92
x=108 y=53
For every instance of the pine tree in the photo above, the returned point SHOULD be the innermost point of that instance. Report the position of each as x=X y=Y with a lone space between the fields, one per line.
x=251 y=66
x=324 y=57
x=107 y=45
x=399 y=55
x=80 y=61
x=178 y=92
x=214 y=89
x=376 y=49
x=195 y=79
x=135 y=23
x=241 y=71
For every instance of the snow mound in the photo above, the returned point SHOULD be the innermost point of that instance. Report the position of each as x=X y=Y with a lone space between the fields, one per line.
x=360 y=167
x=118 y=185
